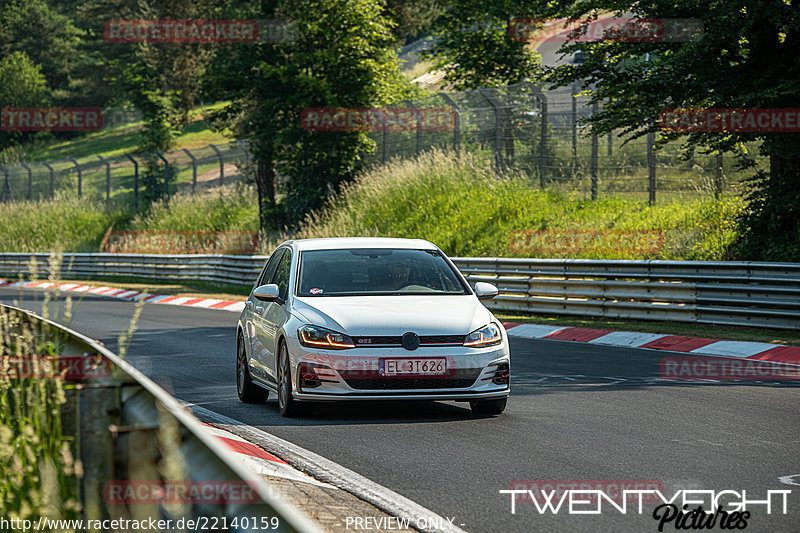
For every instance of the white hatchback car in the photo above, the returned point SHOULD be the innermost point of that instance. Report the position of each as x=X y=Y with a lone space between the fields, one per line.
x=369 y=319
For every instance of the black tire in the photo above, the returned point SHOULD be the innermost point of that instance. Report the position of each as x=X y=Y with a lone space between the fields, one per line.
x=248 y=391
x=288 y=406
x=488 y=407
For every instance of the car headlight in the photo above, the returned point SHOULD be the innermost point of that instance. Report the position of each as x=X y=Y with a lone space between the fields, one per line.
x=317 y=337
x=488 y=335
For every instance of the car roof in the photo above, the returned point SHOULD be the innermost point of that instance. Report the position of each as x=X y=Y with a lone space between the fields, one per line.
x=338 y=243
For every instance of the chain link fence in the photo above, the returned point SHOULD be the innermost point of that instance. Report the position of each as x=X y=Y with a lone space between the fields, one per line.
x=120 y=179
x=539 y=135
x=542 y=135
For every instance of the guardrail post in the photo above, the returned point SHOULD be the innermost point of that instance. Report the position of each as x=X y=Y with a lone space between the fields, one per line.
x=80 y=175
x=651 y=167
x=456 y=122
x=30 y=179
x=99 y=409
x=166 y=175
x=718 y=177
x=595 y=156
x=108 y=179
x=52 y=178
x=221 y=165
x=194 y=168
x=135 y=182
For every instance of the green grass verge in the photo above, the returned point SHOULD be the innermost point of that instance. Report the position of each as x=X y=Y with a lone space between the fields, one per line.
x=460 y=203
x=122 y=139
x=456 y=201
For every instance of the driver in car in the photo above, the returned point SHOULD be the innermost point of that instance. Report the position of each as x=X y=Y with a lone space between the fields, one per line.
x=399 y=274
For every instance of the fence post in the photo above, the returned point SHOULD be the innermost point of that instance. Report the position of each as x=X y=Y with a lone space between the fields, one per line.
x=651 y=167
x=543 y=144
x=80 y=175
x=418 y=117
x=718 y=177
x=221 y=165
x=108 y=179
x=610 y=145
x=166 y=175
x=30 y=179
x=456 y=122
x=498 y=141
x=6 y=186
x=595 y=156
x=135 y=182
x=574 y=101
x=385 y=136
x=194 y=169
x=52 y=179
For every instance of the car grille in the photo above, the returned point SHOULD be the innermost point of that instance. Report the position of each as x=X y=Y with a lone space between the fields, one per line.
x=460 y=380
x=425 y=340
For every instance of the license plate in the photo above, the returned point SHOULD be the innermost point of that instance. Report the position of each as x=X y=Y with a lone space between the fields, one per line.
x=427 y=366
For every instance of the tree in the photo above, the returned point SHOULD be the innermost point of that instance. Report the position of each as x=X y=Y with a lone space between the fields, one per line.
x=413 y=18
x=163 y=80
x=748 y=56
x=341 y=57
x=22 y=84
x=46 y=36
x=473 y=47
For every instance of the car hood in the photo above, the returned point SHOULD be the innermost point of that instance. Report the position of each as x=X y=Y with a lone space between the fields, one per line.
x=395 y=315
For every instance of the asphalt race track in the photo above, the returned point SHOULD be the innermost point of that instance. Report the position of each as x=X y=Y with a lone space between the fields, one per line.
x=577 y=412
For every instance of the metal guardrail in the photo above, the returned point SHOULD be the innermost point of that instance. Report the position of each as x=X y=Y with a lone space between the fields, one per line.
x=735 y=293
x=126 y=427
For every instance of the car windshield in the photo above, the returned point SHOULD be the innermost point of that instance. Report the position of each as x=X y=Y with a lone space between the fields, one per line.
x=365 y=272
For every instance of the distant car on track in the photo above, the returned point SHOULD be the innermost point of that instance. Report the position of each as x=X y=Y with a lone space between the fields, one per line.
x=369 y=319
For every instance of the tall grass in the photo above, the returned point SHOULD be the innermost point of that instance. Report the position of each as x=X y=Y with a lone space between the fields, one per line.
x=462 y=204
x=38 y=472
x=61 y=224
x=234 y=210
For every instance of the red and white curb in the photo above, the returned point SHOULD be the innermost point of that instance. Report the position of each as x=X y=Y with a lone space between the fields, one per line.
x=260 y=461
x=124 y=294
x=763 y=351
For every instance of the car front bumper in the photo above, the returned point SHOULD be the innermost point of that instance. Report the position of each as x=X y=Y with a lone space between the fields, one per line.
x=354 y=374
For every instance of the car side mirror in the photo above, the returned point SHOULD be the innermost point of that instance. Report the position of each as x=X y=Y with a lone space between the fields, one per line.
x=485 y=291
x=267 y=293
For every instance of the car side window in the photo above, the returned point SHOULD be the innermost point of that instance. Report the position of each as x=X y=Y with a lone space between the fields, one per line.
x=281 y=277
x=269 y=269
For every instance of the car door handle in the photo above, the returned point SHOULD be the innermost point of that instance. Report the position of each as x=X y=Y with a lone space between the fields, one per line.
x=259 y=308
